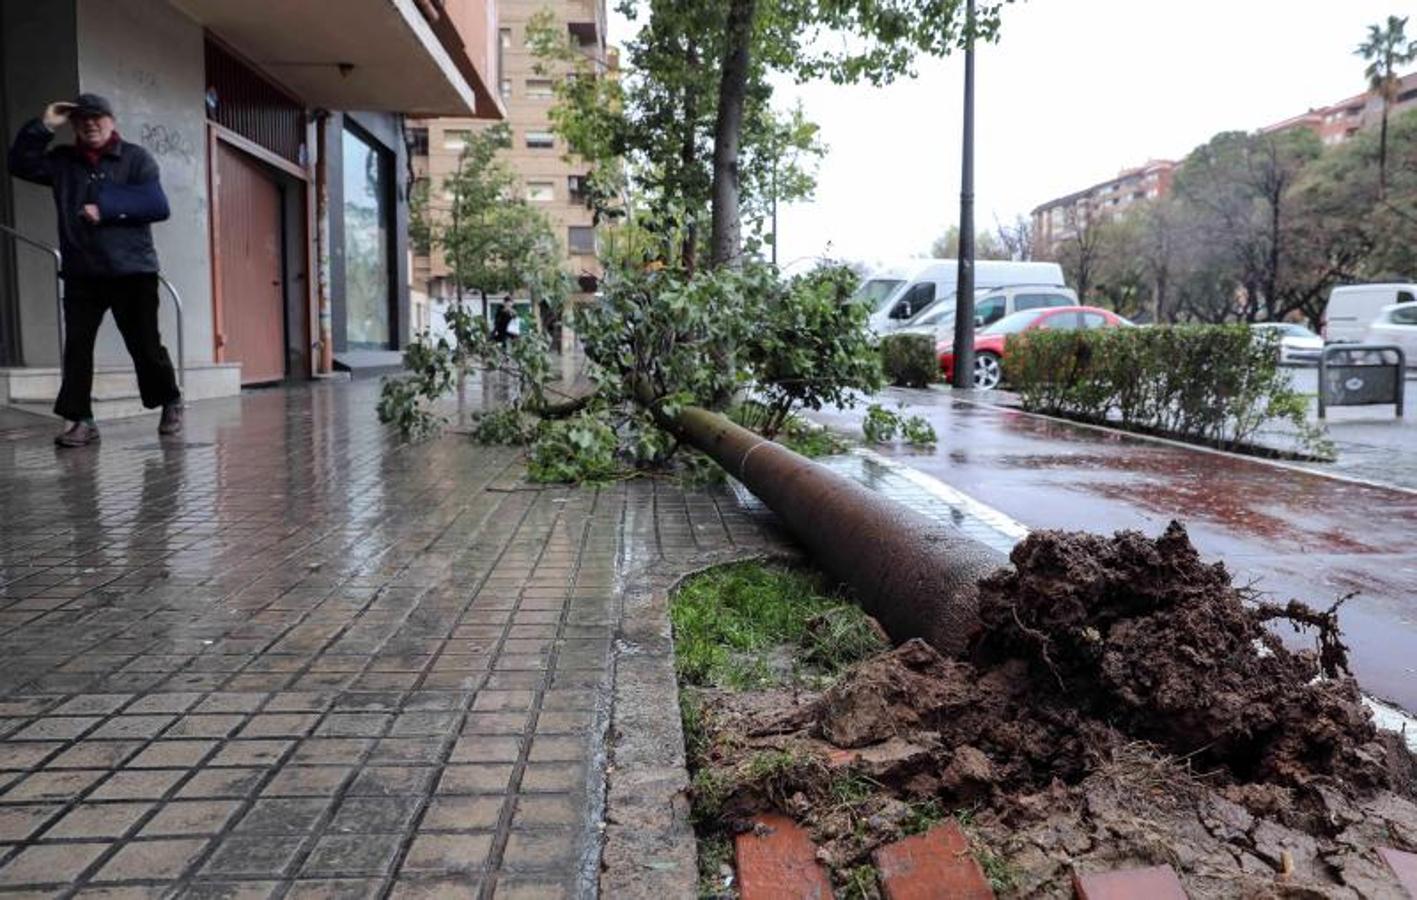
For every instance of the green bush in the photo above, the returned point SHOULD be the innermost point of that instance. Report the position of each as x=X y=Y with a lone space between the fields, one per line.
x=1210 y=384
x=909 y=359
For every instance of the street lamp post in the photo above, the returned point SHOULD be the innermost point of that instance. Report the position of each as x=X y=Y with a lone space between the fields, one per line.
x=964 y=288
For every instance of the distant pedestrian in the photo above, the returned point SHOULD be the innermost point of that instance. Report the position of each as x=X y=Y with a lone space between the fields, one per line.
x=107 y=194
x=504 y=321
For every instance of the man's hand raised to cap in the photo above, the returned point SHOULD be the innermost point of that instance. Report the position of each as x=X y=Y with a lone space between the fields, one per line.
x=56 y=114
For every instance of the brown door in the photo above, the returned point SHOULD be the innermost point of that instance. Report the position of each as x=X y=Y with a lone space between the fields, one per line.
x=252 y=307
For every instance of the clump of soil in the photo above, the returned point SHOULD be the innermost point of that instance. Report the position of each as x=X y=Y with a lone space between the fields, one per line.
x=1123 y=704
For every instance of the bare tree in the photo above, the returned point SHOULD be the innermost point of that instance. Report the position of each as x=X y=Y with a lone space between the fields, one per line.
x=1017 y=239
x=1080 y=252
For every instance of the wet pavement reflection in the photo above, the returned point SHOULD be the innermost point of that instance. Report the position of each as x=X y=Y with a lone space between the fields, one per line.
x=1289 y=532
x=292 y=654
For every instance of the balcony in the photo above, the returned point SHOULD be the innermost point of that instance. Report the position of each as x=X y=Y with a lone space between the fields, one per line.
x=585 y=19
x=354 y=54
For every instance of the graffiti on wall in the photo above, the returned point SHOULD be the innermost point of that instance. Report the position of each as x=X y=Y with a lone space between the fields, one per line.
x=164 y=142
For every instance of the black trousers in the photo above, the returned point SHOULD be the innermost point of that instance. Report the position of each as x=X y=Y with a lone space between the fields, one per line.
x=134 y=301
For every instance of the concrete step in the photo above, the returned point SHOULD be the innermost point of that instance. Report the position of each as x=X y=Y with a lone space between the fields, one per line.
x=115 y=390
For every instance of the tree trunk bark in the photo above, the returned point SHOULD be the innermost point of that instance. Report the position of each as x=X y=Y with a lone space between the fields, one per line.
x=688 y=158
x=728 y=132
x=1382 y=156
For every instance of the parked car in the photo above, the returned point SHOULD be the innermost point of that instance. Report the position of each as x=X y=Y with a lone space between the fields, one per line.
x=989 y=343
x=990 y=305
x=897 y=294
x=1353 y=307
x=1297 y=344
x=1396 y=324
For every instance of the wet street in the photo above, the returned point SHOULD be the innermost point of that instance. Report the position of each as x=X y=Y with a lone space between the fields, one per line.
x=1289 y=533
x=289 y=656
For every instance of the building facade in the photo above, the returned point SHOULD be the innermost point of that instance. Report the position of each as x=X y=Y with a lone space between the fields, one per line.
x=279 y=129
x=1059 y=220
x=1337 y=122
x=551 y=179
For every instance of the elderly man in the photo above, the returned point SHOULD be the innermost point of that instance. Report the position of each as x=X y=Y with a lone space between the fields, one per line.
x=107 y=195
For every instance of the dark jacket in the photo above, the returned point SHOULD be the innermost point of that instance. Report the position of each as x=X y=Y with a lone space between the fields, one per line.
x=125 y=187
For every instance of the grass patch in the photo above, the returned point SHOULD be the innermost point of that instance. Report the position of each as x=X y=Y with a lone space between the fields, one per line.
x=860 y=884
x=730 y=622
x=715 y=852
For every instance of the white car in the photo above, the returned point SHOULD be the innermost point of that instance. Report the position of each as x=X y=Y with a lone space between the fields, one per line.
x=1297 y=344
x=1396 y=324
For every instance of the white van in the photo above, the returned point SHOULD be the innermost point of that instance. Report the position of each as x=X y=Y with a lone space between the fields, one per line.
x=1353 y=307
x=897 y=294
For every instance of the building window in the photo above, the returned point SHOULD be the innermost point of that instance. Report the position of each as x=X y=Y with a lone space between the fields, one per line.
x=540 y=140
x=576 y=188
x=418 y=142
x=505 y=35
x=506 y=89
x=581 y=240
x=368 y=230
x=539 y=88
x=456 y=139
x=540 y=191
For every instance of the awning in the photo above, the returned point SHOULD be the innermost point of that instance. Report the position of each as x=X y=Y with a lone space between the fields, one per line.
x=378 y=55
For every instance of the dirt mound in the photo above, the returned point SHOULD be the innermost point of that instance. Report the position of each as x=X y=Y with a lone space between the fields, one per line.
x=1143 y=635
x=1122 y=695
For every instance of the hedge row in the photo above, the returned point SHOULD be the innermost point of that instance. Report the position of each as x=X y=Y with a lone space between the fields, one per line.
x=1211 y=384
x=909 y=360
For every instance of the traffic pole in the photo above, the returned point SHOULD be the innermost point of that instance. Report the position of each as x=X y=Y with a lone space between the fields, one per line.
x=963 y=376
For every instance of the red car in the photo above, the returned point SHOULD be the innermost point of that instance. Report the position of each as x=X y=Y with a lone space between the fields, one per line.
x=989 y=342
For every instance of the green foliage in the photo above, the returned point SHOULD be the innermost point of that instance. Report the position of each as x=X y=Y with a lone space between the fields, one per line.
x=909 y=360
x=800 y=436
x=881 y=426
x=671 y=340
x=810 y=347
x=510 y=425
x=1211 y=384
x=859 y=883
x=715 y=853
x=406 y=401
x=728 y=618
x=918 y=432
x=579 y=449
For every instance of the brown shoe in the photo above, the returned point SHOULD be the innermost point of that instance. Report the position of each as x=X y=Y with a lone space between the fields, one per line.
x=78 y=434
x=171 y=422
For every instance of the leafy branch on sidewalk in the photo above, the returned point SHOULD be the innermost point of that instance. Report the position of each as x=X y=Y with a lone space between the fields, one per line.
x=658 y=339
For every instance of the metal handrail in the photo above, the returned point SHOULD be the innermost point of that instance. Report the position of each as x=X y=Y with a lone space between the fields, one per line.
x=181 y=353
x=58 y=278
x=59 y=299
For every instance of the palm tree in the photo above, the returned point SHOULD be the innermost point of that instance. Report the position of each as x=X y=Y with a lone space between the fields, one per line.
x=1386 y=48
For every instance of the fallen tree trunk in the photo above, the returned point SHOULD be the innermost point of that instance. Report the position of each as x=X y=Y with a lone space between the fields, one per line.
x=917 y=577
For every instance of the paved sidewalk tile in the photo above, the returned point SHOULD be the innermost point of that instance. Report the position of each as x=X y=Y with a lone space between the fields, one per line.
x=290 y=655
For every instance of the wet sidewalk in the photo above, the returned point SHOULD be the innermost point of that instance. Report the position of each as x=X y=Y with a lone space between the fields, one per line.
x=1289 y=532
x=289 y=656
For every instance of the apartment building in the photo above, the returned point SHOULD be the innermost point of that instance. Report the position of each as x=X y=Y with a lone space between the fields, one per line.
x=279 y=130
x=1058 y=220
x=1337 y=122
x=551 y=180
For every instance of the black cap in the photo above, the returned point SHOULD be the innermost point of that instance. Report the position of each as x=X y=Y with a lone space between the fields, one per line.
x=91 y=106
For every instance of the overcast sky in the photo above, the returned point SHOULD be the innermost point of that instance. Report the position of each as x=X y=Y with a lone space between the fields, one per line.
x=1073 y=92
